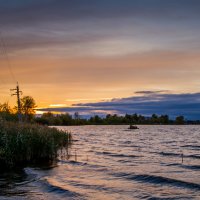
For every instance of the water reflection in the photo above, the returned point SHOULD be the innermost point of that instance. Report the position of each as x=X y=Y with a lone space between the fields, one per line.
x=107 y=162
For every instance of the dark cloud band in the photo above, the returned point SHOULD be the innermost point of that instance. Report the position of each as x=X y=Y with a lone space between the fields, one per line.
x=171 y=104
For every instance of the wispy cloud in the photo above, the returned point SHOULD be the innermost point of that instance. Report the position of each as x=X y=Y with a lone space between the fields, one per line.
x=88 y=100
x=147 y=92
x=57 y=105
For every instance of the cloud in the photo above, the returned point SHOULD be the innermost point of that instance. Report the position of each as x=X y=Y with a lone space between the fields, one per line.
x=101 y=48
x=147 y=92
x=172 y=104
x=38 y=11
x=128 y=25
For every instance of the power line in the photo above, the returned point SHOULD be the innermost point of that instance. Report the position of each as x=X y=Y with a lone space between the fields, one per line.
x=5 y=54
x=1 y=53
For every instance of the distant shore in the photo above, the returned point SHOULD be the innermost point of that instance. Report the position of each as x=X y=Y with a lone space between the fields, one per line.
x=51 y=119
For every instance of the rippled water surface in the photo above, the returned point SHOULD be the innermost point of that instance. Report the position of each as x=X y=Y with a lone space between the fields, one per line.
x=112 y=162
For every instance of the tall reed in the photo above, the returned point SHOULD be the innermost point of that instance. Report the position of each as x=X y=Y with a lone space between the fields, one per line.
x=22 y=144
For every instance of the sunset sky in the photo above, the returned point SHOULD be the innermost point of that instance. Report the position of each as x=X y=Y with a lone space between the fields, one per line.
x=103 y=56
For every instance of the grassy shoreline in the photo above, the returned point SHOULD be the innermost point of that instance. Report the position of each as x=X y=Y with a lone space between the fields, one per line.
x=25 y=144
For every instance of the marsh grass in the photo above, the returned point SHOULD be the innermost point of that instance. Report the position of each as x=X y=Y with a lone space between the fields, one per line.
x=23 y=144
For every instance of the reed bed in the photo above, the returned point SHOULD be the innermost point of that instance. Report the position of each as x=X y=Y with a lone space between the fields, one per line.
x=23 y=144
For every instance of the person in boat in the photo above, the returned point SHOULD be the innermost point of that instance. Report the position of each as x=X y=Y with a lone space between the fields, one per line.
x=133 y=127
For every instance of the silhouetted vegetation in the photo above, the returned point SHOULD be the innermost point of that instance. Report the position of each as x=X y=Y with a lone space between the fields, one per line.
x=28 y=106
x=69 y=120
x=180 y=120
x=22 y=144
x=7 y=113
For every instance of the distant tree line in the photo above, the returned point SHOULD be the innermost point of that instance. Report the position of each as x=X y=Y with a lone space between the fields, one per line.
x=69 y=120
x=28 y=106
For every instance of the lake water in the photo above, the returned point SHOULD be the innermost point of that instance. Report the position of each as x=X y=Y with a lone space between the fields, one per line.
x=112 y=162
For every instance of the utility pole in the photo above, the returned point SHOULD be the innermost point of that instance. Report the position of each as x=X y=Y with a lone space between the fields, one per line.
x=18 y=93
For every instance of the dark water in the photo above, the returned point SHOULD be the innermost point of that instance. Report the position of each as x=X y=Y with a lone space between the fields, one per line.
x=111 y=162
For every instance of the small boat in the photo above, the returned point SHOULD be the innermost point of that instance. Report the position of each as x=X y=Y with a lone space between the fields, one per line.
x=133 y=127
